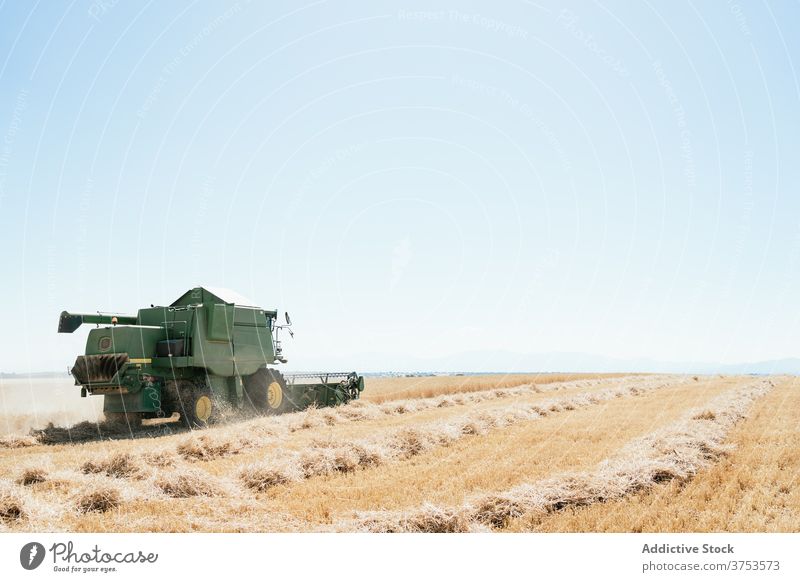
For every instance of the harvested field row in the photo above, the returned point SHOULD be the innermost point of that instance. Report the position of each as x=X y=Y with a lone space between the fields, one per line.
x=284 y=433
x=328 y=457
x=675 y=453
x=265 y=431
x=753 y=488
x=500 y=459
x=322 y=458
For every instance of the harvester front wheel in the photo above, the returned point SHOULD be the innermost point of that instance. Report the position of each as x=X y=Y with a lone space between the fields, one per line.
x=132 y=420
x=196 y=405
x=266 y=391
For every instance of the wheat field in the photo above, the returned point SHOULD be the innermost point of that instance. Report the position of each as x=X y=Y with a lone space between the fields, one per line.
x=550 y=452
x=383 y=389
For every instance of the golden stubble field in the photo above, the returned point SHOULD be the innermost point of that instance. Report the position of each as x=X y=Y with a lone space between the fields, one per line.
x=553 y=453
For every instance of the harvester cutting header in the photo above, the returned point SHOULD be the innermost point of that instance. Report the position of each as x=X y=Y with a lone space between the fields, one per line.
x=211 y=348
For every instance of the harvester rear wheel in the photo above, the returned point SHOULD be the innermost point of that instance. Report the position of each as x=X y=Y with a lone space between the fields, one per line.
x=131 y=420
x=196 y=404
x=267 y=393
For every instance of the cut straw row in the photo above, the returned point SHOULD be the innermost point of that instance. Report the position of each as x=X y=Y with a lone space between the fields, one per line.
x=224 y=441
x=676 y=452
x=325 y=458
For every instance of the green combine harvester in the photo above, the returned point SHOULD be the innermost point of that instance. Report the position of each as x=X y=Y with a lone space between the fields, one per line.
x=210 y=350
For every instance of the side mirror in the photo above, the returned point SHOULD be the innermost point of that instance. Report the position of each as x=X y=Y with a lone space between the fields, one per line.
x=288 y=319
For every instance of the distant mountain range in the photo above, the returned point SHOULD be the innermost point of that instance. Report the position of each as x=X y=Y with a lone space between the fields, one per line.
x=784 y=366
x=506 y=361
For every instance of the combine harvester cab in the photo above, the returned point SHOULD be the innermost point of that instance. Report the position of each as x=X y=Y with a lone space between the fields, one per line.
x=209 y=351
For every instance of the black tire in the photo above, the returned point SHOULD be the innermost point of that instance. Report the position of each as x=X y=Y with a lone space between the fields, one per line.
x=126 y=420
x=265 y=391
x=195 y=403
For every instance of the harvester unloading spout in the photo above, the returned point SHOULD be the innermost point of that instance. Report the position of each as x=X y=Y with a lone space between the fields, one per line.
x=69 y=322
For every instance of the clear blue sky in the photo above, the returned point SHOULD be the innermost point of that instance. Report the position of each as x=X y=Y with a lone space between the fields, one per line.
x=443 y=176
